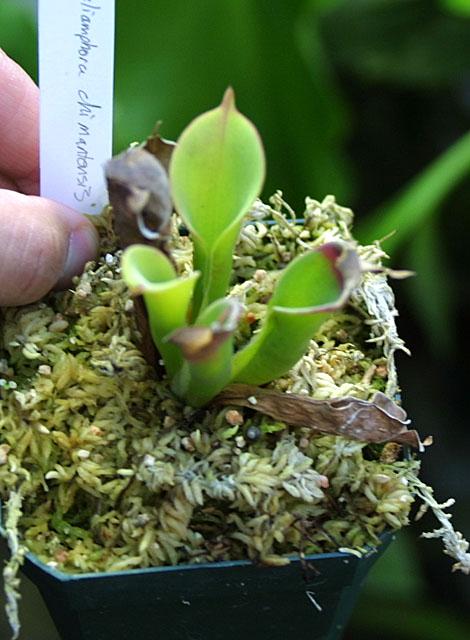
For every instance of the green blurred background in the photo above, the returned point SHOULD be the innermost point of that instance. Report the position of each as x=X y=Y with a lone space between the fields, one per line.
x=368 y=100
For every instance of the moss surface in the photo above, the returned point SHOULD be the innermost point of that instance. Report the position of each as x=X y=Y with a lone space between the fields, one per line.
x=112 y=472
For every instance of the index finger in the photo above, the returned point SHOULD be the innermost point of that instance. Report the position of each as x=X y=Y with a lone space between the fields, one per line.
x=19 y=126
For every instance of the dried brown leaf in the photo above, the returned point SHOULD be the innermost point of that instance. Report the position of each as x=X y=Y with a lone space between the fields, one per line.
x=139 y=193
x=160 y=148
x=147 y=345
x=199 y=343
x=196 y=343
x=378 y=421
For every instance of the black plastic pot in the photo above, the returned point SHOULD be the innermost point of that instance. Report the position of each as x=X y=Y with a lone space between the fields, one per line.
x=310 y=599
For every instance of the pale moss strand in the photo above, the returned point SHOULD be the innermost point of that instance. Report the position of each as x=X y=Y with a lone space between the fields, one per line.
x=376 y=294
x=455 y=545
x=11 y=569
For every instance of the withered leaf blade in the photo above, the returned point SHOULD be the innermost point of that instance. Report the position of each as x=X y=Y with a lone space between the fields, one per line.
x=160 y=148
x=378 y=421
x=139 y=192
x=391 y=408
x=347 y=266
x=199 y=343
x=196 y=343
x=146 y=344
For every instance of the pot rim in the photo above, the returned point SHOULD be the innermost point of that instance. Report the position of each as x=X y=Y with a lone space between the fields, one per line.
x=64 y=576
x=224 y=564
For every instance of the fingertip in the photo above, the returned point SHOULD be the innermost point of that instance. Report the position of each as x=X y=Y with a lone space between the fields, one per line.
x=82 y=247
x=19 y=125
x=43 y=245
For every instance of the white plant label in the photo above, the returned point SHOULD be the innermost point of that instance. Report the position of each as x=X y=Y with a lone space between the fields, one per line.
x=76 y=64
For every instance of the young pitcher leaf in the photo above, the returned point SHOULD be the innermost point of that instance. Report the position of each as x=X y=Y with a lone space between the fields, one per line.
x=148 y=272
x=312 y=286
x=207 y=348
x=216 y=171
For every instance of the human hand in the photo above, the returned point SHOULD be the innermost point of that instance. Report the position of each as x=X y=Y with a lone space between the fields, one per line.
x=43 y=244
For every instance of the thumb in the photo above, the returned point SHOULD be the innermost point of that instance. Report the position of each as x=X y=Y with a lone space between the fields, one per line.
x=42 y=245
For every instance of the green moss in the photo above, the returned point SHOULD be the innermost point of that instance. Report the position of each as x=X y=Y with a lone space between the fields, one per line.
x=115 y=473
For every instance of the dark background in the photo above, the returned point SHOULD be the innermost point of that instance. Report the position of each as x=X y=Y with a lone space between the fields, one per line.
x=357 y=98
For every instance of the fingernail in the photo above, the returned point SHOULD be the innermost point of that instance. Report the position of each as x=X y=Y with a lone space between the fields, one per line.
x=83 y=247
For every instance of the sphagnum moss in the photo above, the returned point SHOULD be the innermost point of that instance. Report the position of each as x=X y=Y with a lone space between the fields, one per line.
x=103 y=469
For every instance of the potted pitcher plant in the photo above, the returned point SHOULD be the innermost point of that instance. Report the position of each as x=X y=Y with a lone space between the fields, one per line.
x=203 y=438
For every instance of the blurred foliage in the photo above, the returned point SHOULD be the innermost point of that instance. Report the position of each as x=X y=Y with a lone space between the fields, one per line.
x=405 y=42
x=419 y=52
x=433 y=298
x=355 y=98
x=18 y=35
x=459 y=7
x=412 y=208
x=410 y=219
x=394 y=601
x=183 y=55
